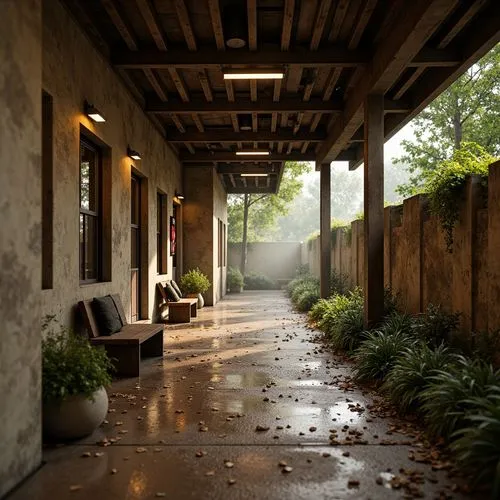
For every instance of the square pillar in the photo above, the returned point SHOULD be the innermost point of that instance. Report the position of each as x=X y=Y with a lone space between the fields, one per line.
x=325 y=230
x=374 y=209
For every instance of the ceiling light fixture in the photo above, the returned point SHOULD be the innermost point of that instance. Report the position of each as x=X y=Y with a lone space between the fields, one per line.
x=93 y=113
x=245 y=122
x=235 y=24
x=254 y=75
x=253 y=152
x=135 y=155
x=254 y=175
x=179 y=196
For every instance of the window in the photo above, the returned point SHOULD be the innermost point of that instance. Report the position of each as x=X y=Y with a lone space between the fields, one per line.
x=90 y=211
x=224 y=246
x=161 y=233
x=47 y=191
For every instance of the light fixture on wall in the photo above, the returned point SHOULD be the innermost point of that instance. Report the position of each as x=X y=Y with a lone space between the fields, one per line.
x=253 y=152
x=253 y=75
x=179 y=196
x=135 y=155
x=93 y=113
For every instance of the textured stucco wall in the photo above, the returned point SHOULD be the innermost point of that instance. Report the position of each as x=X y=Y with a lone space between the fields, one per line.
x=20 y=235
x=220 y=212
x=72 y=72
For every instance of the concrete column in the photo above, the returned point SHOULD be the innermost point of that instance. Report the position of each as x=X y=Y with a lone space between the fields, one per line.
x=20 y=240
x=325 y=230
x=374 y=209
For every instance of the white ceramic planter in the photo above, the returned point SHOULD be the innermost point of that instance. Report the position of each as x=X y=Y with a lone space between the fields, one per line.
x=76 y=416
x=198 y=296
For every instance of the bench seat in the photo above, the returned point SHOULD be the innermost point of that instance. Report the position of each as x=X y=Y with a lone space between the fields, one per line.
x=125 y=347
x=181 y=311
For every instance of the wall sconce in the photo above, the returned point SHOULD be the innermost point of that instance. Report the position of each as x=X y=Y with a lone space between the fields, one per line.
x=133 y=154
x=179 y=196
x=93 y=113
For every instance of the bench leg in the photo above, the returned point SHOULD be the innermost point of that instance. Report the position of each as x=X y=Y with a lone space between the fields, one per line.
x=153 y=347
x=127 y=359
x=194 y=310
x=179 y=314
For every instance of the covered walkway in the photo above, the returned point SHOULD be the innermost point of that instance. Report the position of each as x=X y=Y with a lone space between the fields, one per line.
x=188 y=428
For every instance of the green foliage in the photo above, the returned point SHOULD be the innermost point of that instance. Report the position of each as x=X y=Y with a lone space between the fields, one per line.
x=339 y=283
x=194 y=281
x=466 y=111
x=451 y=397
x=411 y=374
x=234 y=278
x=70 y=365
x=379 y=352
x=436 y=326
x=391 y=302
x=342 y=320
x=299 y=281
x=486 y=346
x=302 y=270
x=306 y=300
x=445 y=185
x=319 y=310
x=254 y=281
x=477 y=446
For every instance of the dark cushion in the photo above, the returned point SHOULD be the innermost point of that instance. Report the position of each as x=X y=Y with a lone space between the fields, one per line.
x=106 y=315
x=172 y=295
x=175 y=286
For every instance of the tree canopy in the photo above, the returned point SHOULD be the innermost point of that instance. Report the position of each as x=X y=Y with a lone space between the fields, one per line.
x=466 y=112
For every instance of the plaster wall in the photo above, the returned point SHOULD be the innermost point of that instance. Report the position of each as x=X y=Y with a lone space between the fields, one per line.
x=20 y=240
x=220 y=213
x=73 y=71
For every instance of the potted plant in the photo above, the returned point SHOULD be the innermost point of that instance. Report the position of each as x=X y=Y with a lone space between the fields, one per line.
x=74 y=377
x=193 y=284
x=234 y=280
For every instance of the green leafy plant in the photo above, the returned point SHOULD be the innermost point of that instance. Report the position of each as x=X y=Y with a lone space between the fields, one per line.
x=477 y=445
x=391 y=302
x=303 y=282
x=451 y=397
x=436 y=326
x=319 y=310
x=70 y=365
x=380 y=350
x=445 y=185
x=411 y=374
x=234 y=279
x=486 y=346
x=254 y=281
x=339 y=282
x=194 y=282
x=306 y=300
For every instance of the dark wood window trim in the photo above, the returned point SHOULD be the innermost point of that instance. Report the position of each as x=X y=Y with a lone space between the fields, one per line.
x=47 y=192
x=161 y=233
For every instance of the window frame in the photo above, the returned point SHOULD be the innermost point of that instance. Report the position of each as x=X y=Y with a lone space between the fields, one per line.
x=162 y=233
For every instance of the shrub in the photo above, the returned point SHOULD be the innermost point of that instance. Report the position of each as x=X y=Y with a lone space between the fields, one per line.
x=486 y=346
x=342 y=320
x=319 y=310
x=234 y=279
x=302 y=270
x=411 y=374
x=339 y=282
x=477 y=446
x=254 y=281
x=445 y=184
x=436 y=326
x=301 y=281
x=452 y=395
x=194 y=281
x=391 y=301
x=381 y=348
x=70 y=365
x=306 y=300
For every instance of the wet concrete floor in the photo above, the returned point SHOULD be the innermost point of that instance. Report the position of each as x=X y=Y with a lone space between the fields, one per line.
x=243 y=405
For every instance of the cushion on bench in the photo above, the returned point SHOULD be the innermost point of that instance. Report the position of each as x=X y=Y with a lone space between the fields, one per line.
x=106 y=314
x=172 y=295
x=175 y=286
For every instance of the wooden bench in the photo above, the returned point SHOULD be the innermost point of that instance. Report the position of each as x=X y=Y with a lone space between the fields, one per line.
x=127 y=345
x=181 y=311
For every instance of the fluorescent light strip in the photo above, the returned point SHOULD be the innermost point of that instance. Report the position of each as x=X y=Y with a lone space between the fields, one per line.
x=97 y=117
x=254 y=175
x=253 y=153
x=253 y=76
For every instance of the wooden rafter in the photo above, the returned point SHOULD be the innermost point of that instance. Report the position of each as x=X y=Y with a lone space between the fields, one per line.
x=199 y=125
x=185 y=23
x=286 y=32
x=227 y=156
x=155 y=83
x=152 y=22
x=338 y=18
x=120 y=24
x=361 y=22
x=215 y=17
x=230 y=136
x=178 y=123
x=408 y=83
x=179 y=84
x=252 y=24
x=319 y=23
x=205 y=85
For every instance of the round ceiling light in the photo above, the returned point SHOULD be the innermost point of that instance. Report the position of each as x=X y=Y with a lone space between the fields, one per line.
x=235 y=25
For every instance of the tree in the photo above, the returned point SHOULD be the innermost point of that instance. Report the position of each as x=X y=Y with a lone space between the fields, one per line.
x=250 y=216
x=466 y=112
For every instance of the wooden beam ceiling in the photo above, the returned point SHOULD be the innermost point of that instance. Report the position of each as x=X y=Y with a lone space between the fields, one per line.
x=228 y=156
x=230 y=136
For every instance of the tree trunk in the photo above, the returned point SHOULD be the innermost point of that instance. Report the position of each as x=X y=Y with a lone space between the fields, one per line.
x=457 y=129
x=244 y=242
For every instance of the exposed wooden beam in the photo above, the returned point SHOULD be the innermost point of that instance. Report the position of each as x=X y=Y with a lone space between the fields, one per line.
x=228 y=156
x=410 y=33
x=151 y=18
x=338 y=18
x=248 y=168
x=213 y=6
x=120 y=24
x=287 y=24
x=253 y=90
x=315 y=122
x=274 y=121
x=155 y=83
x=199 y=125
x=361 y=22
x=190 y=148
x=304 y=147
x=178 y=123
x=228 y=136
x=255 y=123
x=319 y=23
x=205 y=85
x=325 y=230
x=263 y=105
x=179 y=84
x=231 y=179
x=187 y=30
x=209 y=58
x=250 y=190
x=252 y=24
x=408 y=83
x=331 y=83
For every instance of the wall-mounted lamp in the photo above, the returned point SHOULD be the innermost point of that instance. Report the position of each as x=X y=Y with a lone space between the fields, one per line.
x=179 y=196
x=133 y=154
x=93 y=113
